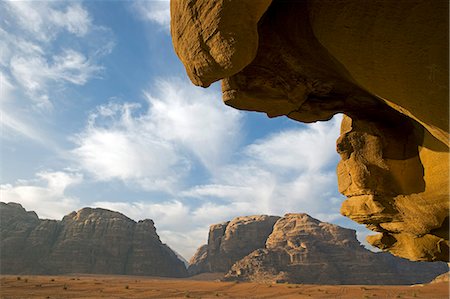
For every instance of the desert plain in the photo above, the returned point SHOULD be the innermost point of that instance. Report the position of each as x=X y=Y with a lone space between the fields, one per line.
x=202 y=286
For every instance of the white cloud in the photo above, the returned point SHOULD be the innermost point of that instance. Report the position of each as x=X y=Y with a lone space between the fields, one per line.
x=16 y=123
x=292 y=171
x=73 y=67
x=34 y=73
x=156 y=11
x=44 y=20
x=6 y=88
x=37 y=65
x=196 y=119
x=215 y=190
x=75 y=19
x=309 y=149
x=169 y=215
x=11 y=124
x=157 y=147
x=211 y=212
x=46 y=194
x=126 y=155
x=183 y=130
x=12 y=45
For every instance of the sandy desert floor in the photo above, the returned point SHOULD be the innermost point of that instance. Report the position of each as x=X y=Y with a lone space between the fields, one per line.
x=98 y=286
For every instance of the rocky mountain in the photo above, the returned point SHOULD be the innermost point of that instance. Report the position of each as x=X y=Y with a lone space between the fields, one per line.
x=297 y=248
x=87 y=241
x=231 y=241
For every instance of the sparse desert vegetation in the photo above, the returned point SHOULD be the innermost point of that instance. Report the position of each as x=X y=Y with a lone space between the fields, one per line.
x=100 y=286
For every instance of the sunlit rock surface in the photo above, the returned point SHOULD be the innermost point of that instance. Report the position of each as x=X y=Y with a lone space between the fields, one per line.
x=384 y=64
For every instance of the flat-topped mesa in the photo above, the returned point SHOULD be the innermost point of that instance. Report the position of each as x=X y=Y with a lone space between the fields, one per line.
x=383 y=64
x=230 y=241
x=90 y=240
x=302 y=249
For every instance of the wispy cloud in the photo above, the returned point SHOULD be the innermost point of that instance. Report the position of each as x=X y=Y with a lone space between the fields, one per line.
x=147 y=149
x=13 y=124
x=36 y=62
x=44 y=20
x=6 y=89
x=156 y=11
x=35 y=74
x=155 y=146
x=290 y=171
x=46 y=194
x=303 y=149
x=179 y=140
x=287 y=171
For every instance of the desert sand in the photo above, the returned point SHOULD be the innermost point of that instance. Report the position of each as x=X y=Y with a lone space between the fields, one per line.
x=99 y=286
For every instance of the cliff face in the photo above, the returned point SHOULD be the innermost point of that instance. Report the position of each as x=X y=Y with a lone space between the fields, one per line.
x=230 y=241
x=87 y=241
x=309 y=60
x=301 y=249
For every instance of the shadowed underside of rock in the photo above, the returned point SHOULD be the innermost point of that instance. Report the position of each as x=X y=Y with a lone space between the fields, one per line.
x=95 y=241
x=384 y=64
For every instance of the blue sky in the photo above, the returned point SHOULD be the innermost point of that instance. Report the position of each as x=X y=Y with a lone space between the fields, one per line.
x=96 y=110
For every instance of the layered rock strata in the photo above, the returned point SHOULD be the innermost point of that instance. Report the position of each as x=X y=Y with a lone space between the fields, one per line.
x=383 y=64
x=88 y=241
x=301 y=249
x=230 y=241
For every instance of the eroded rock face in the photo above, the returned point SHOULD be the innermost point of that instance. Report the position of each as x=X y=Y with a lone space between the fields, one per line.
x=302 y=249
x=383 y=64
x=230 y=241
x=391 y=191
x=88 y=241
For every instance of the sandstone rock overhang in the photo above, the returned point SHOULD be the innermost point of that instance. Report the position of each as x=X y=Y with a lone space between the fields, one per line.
x=384 y=64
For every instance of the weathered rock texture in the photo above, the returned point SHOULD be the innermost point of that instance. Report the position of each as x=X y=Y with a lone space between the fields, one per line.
x=230 y=241
x=87 y=241
x=384 y=64
x=301 y=249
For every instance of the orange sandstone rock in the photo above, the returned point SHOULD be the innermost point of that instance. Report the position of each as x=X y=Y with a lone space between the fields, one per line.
x=384 y=64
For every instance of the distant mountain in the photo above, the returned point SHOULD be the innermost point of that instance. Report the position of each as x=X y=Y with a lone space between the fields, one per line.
x=297 y=248
x=181 y=258
x=88 y=241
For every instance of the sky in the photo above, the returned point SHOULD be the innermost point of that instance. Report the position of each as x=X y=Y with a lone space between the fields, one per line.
x=97 y=111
